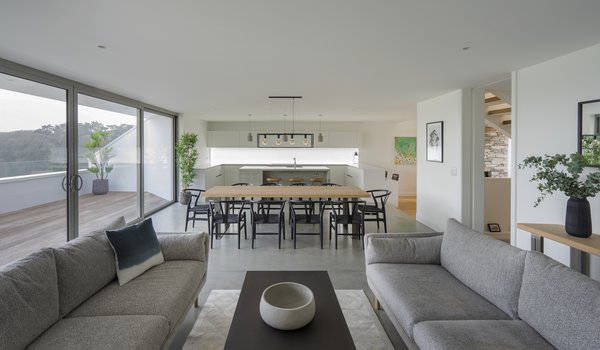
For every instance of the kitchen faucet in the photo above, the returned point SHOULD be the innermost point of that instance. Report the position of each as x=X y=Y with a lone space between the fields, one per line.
x=294 y=162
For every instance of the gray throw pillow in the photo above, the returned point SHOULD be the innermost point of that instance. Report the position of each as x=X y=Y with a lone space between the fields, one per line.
x=136 y=250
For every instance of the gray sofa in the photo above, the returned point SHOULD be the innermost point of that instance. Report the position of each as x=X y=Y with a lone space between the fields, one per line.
x=464 y=290
x=68 y=297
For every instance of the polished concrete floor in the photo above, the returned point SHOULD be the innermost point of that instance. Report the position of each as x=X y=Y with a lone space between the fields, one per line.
x=228 y=265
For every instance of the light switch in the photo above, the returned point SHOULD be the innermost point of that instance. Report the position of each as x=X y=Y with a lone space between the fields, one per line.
x=453 y=171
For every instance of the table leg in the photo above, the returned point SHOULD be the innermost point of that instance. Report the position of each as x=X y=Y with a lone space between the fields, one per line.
x=537 y=243
x=580 y=261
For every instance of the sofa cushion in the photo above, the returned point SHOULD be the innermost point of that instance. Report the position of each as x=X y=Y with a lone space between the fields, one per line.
x=104 y=333
x=478 y=334
x=396 y=249
x=490 y=267
x=28 y=299
x=183 y=246
x=84 y=266
x=167 y=290
x=136 y=250
x=560 y=303
x=414 y=293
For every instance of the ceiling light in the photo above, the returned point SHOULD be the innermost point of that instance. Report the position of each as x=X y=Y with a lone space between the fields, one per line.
x=466 y=48
x=101 y=47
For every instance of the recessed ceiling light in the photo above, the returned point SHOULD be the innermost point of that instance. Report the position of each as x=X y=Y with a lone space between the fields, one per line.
x=466 y=48
x=101 y=47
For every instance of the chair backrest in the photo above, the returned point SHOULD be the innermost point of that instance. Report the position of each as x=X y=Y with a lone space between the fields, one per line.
x=270 y=184
x=380 y=197
x=338 y=208
x=298 y=184
x=329 y=184
x=195 y=194
x=306 y=207
x=235 y=206
x=240 y=184
x=267 y=207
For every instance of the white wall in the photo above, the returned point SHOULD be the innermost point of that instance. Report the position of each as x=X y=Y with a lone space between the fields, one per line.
x=441 y=189
x=192 y=123
x=497 y=202
x=545 y=122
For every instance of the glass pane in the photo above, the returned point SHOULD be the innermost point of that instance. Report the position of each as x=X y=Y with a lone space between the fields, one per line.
x=108 y=163
x=158 y=160
x=33 y=163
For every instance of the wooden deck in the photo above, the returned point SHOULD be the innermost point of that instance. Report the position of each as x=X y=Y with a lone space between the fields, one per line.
x=27 y=230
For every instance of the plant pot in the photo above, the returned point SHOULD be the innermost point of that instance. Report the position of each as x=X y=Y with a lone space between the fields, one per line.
x=578 y=221
x=184 y=197
x=100 y=186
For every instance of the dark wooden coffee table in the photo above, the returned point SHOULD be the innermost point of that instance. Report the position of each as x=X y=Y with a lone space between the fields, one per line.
x=328 y=330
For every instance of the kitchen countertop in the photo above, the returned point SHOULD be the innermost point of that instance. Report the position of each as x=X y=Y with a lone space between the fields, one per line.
x=285 y=168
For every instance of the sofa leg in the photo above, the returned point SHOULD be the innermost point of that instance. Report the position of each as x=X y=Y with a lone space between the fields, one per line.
x=196 y=304
x=377 y=304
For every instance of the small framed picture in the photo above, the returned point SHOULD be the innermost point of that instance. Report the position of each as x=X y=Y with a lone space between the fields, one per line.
x=494 y=227
x=435 y=142
x=395 y=177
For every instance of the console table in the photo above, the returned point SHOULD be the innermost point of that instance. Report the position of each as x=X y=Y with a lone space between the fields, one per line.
x=580 y=247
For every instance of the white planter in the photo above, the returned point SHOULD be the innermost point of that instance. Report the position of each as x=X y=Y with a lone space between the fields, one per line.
x=287 y=305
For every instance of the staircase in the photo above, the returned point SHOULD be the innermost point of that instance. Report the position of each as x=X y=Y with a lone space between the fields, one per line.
x=498 y=112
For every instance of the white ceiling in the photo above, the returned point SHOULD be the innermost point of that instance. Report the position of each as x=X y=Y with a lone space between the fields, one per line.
x=350 y=59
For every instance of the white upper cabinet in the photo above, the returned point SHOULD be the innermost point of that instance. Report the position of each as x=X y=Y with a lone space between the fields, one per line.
x=224 y=139
x=340 y=139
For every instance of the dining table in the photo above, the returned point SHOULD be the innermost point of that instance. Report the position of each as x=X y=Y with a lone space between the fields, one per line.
x=289 y=192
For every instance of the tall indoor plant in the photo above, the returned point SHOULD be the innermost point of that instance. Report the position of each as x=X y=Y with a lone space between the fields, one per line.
x=187 y=155
x=98 y=154
x=563 y=173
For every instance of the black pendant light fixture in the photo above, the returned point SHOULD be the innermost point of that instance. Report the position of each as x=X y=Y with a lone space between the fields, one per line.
x=286 y=139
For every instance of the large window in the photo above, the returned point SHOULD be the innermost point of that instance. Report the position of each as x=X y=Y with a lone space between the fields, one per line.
x=158 y=160
x=108 y=162
x=33 y=161
x=57 y=139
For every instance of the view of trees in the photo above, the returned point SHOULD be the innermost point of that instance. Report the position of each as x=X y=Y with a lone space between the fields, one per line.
x=25 y=152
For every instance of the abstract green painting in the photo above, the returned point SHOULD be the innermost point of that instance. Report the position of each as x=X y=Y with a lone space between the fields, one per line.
x=406 y=151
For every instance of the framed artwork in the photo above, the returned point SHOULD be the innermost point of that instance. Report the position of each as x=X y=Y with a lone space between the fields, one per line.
x=494 y=227
x=406 y=150
x=435 y=141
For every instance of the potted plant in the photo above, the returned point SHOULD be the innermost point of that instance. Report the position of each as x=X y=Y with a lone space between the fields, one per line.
x=562 y=173
x=187 y=155
x=98 y=154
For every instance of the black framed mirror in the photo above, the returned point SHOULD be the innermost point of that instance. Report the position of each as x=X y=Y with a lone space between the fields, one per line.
x=588 y=128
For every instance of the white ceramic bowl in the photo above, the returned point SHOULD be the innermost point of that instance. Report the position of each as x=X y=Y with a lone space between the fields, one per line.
x=287 y=305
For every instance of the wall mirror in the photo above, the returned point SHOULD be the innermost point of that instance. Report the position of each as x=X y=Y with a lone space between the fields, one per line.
x=589 y=131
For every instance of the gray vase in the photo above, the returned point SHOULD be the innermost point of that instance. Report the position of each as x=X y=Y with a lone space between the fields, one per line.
x=100 y=186
x=578 y=220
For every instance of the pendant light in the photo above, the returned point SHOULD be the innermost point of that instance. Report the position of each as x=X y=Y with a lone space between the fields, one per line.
x=320 y=137
x=278 y=140
x=249 y=127
x=264 y=140
x=292 y=141
x=285 y=136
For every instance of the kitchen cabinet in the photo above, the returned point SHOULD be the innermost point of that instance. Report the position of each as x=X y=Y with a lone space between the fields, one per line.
x=209 y=177
x=365 y=176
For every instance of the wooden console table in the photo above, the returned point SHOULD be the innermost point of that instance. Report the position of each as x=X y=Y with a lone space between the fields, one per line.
x=580 y=247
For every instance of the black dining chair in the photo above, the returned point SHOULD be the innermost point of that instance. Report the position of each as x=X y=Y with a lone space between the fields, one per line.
x=268 y=212
x=302 y=213
x=376 y=211
x=347 y=212
x=329 y=184
x=197 y=210
x=221 y=214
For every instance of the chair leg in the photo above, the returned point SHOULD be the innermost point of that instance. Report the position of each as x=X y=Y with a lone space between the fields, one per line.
x=212 y=236
x=186 y=223
x=239 y=237
x=321 y=233
x=294 y=235
x=253 y=234
x=384 y=224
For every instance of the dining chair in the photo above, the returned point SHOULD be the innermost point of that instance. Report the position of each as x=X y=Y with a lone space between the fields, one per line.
x=347 y=212
x=268 y=212
x=329 y=184
x=221 y=214
x=302 y=213
x=376 y=211
x=197 y=210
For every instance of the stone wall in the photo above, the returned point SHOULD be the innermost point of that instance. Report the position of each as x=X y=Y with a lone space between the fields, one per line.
x=496 y=152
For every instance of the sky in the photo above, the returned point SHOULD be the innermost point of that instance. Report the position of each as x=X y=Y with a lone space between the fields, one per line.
x=19 y=111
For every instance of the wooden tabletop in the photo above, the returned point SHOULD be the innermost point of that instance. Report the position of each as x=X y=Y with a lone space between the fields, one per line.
x=557 y=233
x=321 y=192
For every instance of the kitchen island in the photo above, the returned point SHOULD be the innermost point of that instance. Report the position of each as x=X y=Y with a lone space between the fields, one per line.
x=307 y=174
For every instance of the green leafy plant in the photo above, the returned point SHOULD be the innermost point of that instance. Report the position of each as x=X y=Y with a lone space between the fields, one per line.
x=562 y=173
x=98 y=154
x=187 y=155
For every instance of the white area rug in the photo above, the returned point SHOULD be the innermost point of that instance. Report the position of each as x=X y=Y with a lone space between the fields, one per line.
x=211 y=327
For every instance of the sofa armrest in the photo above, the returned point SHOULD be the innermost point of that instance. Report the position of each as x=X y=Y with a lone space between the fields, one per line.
x=184 y=246
x=403 y=248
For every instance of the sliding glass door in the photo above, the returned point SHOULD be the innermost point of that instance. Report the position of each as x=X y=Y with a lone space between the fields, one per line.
x=33 y=167
x=108 y=162
x=158 y=160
